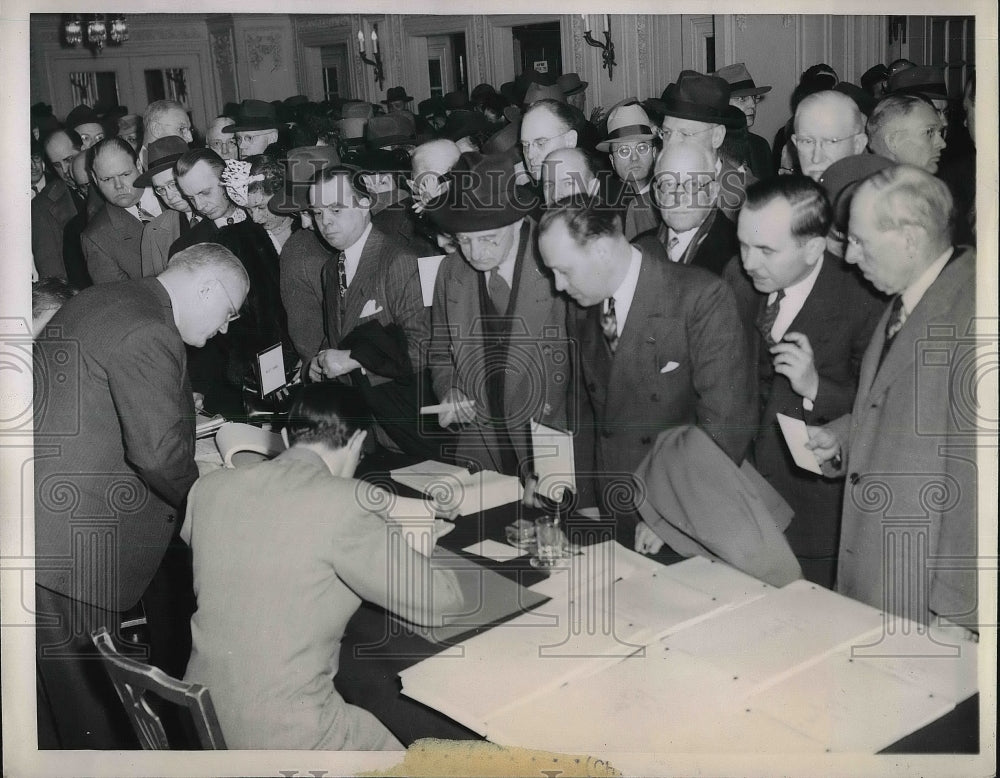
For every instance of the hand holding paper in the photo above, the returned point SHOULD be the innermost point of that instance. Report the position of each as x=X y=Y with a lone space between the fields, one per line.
x=456 y=409
x=797 y=438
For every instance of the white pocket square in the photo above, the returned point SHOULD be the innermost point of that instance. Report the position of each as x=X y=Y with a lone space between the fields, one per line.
x=370 y=309
x=669 y=367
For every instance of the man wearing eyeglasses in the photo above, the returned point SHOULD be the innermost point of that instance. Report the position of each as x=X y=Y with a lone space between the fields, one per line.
x=220 y=142
x=117 y=433
x=908 y=130
x=163 y=118
x=745 y=95
x=693 y=229
x=828 y=126
x=632 y=145
x=546 y=126
x=695 y=114
x=255 y=128
x=177 y=219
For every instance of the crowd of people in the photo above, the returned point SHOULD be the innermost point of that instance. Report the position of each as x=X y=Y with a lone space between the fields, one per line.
x=621 y=275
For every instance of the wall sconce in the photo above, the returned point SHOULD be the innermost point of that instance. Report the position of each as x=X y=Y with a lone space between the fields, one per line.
x=94 y=30
x=376 y=63
x=607 y=48
x=897 y=29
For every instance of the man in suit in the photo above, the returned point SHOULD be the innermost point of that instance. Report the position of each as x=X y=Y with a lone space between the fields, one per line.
x=660 y=346
x=304 y=546
x=828 y=126
x=376 y=326
x=908 y=535
x=161 y=119
x=694 y=229
x=499 y=352
x=632 y=146
x=568 y=173
x=546 y=126
x=160 y=233
x=111 y=240
x=808 y=319
x=55 y=205
x=745 y=94
x=117 y=434
x=907 y=129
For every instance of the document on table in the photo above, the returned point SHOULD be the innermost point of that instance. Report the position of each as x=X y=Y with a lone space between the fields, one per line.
x=796 y=437
x=553 y=459
x=457 y=492
x=428 y=267
x=415 y=519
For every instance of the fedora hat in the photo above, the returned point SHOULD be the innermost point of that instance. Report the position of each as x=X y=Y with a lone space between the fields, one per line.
x=82 y=114
x=482 y=195
x=352 y=131
x=356 y=109
x=627 y=123
x=874 y=75
x=391 y=129
x=504 y=141
x=481 y=91
x=253 y=115
x=741 y=83
x=538 y=92
x=570 y=83
x=841 y=180
x=161 y=155
x=432 y=106
x=919 y=80
x=397 y=94
x=301 y=167
x=697 y=97
x=456 y=101
x=461 y=124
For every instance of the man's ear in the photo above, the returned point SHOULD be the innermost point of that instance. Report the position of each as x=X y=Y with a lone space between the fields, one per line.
x=860 y=142
x=571 y=137
x=814 y=249
x=718 y=135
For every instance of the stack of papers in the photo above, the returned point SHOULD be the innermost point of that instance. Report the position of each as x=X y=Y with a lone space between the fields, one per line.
x=455 y=491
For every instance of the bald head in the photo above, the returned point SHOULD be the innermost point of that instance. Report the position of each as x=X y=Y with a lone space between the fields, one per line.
x=222 y=143
x=430 y=161
x=828 y=127
x=686 y=184
x=80 y=169
x=568 y=173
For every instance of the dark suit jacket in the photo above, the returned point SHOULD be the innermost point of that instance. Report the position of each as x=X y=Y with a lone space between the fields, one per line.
x=301 y=270
x=51 y=210
x=713 y=244
x=392 y=215
x=537 y=361
x=114 y=442
x=111 y=245
x=680 y=360
x=838 y=317
x=910 y=502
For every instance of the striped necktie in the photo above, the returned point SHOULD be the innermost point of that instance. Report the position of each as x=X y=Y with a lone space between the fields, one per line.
x=770 y=315
x=499 y=291
x=609 y=324
x=897 y=316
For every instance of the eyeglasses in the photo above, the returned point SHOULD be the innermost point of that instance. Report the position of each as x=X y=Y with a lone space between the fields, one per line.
x=539 y=143
x=170 y=186
x=235 y=309
x=464 y=240
x=220 y=146
x=807 y=144
x=243 y=138
x=745 y=100
x=625 y=150
x=181 y=130
x=668 y=133
x=669 y=187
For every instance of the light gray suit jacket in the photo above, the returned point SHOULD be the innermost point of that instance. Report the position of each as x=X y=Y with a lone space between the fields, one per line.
x=111 y=245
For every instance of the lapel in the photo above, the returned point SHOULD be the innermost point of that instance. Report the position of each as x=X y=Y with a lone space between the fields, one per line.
x=699 y=237
x=126 y=227
x=365 y=285
x=534 y=288
x=822 y=305
x=636 y=347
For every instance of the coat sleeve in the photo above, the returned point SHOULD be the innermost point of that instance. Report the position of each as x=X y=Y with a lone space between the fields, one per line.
x=402 y=285
x=156 y=410
x=723 y=374
x=100 y=265
x=439 y=356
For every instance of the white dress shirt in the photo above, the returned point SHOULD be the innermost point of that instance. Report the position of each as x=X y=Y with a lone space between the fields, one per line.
x=790 y=305
x=915 y=291
x=626 y=290
x=352 y=254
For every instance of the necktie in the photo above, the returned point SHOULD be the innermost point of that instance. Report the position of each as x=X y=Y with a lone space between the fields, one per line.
x=672 y=245
x=499 y=292
x=144 y=215
x=609 y=324
x=894 y=324
x=341 y=285
x=770 y=314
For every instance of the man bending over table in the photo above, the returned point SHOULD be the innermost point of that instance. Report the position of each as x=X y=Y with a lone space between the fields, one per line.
x=284 y=553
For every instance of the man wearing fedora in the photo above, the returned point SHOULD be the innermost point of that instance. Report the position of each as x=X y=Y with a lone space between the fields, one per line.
x=375 y=324
x=397 y=104
x=574 y=89
x=85 y=123
x=695 y=113
x=745 y=94
x=255 y=128
x=632 y=146
x=160 y=233
x=499 y=356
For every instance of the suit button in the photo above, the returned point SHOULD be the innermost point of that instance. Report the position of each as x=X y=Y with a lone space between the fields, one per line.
x=654 y=397
x=645 y=440
x=854 y=478
x=170 y=518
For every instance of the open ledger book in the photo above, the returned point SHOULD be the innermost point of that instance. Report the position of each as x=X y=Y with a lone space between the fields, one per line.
x=455 y=491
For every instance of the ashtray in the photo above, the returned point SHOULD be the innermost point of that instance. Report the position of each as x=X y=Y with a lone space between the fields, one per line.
x=520 y=533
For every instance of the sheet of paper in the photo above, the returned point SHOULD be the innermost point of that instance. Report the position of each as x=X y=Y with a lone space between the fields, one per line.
x=428 y=275
x=491 y=549
x=554 y=463
x=271 y=369
x=796 y=437
x=415 y=519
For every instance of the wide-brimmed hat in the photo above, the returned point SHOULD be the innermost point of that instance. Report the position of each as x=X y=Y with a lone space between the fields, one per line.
x=873 y=75
x=432 y=106
x=627 y=123
x=352 y=131
x=357 y=109
x=920 y=80
x=82 y=114
x=482 y=195
x=538 y=92
x=697 y=97
x=397 y=94
x=253 y=115
x=456 y=101
x=570 y=83
x=301 y=167
x=481 y=91
x=461 y=124
x=741 y=83
x=161 y=155
x=128 y=123
x=841 y=180
x=504 y=141
x=390 y=130
x=381 y=161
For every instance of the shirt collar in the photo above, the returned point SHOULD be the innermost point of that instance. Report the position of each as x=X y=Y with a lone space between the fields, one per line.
x=799 y=291
x=915 y=291
x=626 y=289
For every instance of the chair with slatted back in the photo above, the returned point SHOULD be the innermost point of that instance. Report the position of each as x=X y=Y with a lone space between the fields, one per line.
x=133 y=680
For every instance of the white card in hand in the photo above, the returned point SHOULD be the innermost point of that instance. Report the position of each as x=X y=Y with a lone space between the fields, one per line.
x=796 y=437
x=428 y=267
x=554 y=462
